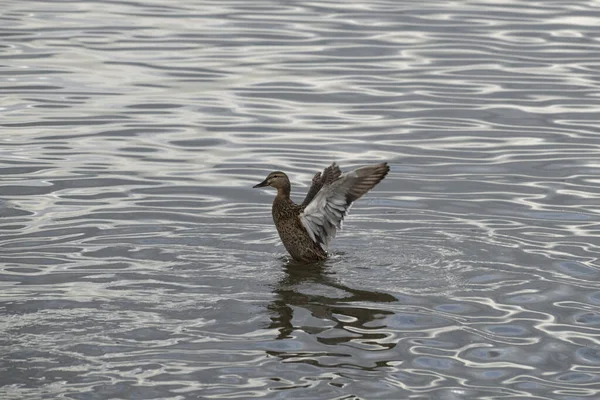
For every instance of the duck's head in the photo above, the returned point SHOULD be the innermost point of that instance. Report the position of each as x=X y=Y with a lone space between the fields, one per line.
x=276 y=179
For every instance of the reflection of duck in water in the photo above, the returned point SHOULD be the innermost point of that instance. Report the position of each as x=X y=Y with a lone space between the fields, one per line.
x=322 y=306
x=306 y=229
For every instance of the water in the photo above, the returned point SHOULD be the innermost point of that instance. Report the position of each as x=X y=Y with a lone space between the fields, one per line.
x=138 y=262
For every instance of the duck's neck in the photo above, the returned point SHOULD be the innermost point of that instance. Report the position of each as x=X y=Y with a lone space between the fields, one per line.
x=282 y=205
x=284 y=192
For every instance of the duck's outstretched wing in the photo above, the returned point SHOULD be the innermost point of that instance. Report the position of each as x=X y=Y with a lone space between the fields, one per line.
x=323 y=216
x=329 y=175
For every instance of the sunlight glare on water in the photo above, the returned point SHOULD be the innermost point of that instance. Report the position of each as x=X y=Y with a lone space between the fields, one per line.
x=137 y=262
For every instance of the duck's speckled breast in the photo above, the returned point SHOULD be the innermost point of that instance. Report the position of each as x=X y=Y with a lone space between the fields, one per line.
x=294 y=237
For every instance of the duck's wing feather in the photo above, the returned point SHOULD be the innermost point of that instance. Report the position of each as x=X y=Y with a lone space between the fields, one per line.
x=329 y=175
x=323 y=216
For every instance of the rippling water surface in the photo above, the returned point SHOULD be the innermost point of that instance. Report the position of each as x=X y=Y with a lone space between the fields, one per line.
x=138 y=263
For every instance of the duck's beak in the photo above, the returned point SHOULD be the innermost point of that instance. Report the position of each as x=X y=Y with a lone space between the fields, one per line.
x=262 y=184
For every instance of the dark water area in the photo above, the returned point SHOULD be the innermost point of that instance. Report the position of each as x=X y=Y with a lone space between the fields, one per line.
x=137 y=262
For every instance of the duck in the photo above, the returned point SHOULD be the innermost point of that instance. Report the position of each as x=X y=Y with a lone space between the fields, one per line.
x=307 y=229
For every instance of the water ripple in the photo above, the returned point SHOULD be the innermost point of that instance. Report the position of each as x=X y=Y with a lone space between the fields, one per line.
x=137 y=262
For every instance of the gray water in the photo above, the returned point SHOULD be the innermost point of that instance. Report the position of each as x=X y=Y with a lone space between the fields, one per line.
x=138 y=263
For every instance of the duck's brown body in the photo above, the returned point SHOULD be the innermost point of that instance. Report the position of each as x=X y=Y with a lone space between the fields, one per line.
x=305 y=229
x=294 y=236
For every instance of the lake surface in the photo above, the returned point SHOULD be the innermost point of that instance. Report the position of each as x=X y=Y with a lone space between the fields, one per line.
x=137 y=262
